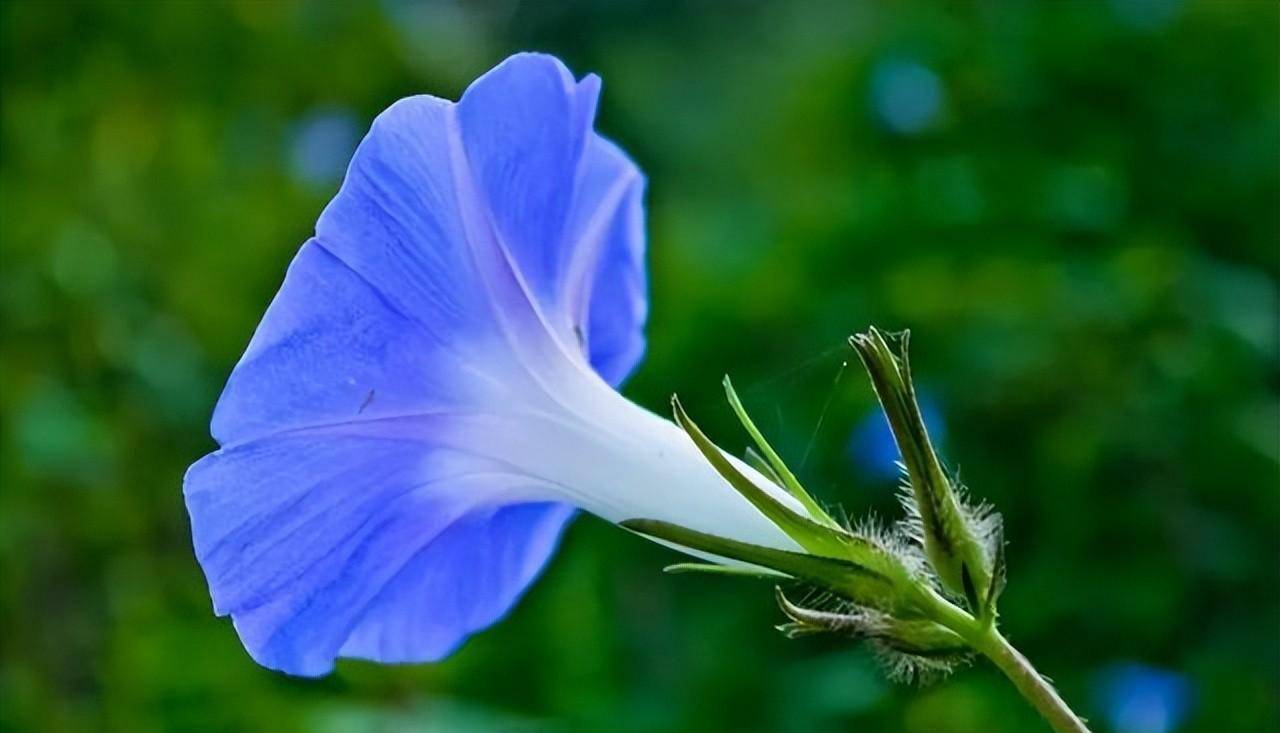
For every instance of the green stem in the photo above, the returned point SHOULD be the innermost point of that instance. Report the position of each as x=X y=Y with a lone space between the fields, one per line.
x=1034 y=688
x=983 y=636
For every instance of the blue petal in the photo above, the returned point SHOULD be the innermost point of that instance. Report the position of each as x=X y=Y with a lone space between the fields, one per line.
x=332 y=349
x=612 y=215
x=398 y=222
x=469 y=246
x=526 y=128
x=368 y=541
x=471 y=576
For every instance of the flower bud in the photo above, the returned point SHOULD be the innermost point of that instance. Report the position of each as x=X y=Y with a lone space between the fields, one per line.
x=911 y=648
x=959 y=540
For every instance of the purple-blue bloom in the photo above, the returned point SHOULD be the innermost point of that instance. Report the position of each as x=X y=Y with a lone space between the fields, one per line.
x=430 y=394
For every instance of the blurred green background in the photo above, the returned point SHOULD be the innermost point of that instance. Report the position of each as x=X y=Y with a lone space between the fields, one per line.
x=1073 y=205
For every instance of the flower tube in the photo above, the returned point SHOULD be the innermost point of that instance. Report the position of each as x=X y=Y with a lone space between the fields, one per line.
x=430 y=395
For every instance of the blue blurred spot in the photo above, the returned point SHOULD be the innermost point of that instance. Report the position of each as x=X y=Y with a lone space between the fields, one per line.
x=871 y=446
x=905 y=95
x=321 y=144
x=1136 y=698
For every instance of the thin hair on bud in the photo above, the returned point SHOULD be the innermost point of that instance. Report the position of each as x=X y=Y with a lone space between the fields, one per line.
x=913 y=669
x=980 y=516
x=893 y=541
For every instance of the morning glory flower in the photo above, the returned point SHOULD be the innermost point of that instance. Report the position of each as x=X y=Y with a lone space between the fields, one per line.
x=431 y=393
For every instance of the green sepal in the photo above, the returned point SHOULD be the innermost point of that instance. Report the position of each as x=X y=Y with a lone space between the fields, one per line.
x=970 y=590
x=854 y=582
x=916 y=637
x=752 y=458
x=812 y=621
x=712 y=569
x=796 y=631
x=999 y=570
x=952 y=545
x=786 y=478
x=923 y=639
x=819 y=539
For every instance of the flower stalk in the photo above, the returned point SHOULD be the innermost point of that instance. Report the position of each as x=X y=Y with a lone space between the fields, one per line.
x=923 y=593
x=1034 y=688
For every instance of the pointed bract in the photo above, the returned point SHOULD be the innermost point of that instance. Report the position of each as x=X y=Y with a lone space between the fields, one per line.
x=827 y=540
x=786 y=478
x=852 y=581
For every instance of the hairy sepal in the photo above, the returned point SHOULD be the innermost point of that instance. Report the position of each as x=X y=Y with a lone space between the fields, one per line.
x=954 y=535
x=909 y=649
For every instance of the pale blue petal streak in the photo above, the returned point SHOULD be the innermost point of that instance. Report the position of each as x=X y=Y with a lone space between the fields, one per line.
x=526 y=128
x=611 y=297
